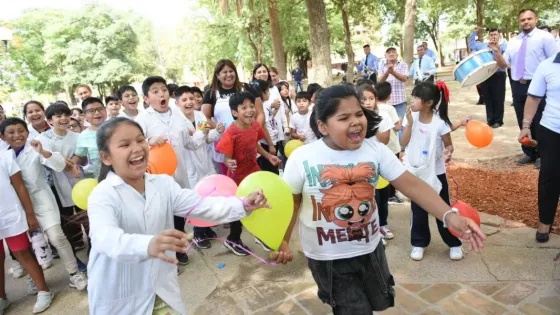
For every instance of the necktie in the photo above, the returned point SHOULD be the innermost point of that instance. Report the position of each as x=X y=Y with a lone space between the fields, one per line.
x=365 y=63
x=420 y=63
x=520 y=66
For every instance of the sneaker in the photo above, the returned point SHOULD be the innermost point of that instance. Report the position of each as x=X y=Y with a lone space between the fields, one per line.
x=202 y=242
x=266 y=248
x=417 y=253
x=81 y=266
x=78 y=281
x=456 y=253
x=525 y=160
x=386 y=233
x=395 y=201
x=400 y=195
x=209 y=233
x=17 y=270
x=47 y=265
x=31 y=286
x=44 y=300
x=384 y=241
x=238 y=248
x=4 y=304
x=183 y=259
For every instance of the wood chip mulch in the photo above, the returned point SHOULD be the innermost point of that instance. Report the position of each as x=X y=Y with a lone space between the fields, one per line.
x=499 y=187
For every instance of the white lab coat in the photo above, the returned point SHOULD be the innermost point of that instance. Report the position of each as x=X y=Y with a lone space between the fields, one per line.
x=12 y=215
x=123 y=279
x=199 y=162
x=177 y=133
x=32 y=166
x=66 y=146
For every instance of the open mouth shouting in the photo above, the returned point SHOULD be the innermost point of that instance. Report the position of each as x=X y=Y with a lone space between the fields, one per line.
x=137 y=161
x=355 y=136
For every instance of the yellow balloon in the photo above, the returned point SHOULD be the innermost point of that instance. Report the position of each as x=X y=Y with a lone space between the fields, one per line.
x=82 y=190
x=269 y=225
x=291 y=146
x=381 y=183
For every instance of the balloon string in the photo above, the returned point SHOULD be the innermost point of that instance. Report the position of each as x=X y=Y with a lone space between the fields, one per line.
x=264 y=261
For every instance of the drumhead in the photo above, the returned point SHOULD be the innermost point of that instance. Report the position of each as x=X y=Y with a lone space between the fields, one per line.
x=480 y=74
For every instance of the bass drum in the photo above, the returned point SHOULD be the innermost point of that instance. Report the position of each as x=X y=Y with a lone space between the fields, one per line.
x=476 y=68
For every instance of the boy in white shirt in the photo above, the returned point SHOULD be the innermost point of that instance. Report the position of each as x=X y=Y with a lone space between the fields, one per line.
x=299 y=123
x=128 y=98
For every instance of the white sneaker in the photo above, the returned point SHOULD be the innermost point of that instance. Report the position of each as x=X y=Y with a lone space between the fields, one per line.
x=266 y=248
x=78 y=281
x=31 y=286
x=44 y=300
x=3 y=305
x=384 y=241
x=386 y=233
x=17 y=270
x=417 y=253
x=456 y=253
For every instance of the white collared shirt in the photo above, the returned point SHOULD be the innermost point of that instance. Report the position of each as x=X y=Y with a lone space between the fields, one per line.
x=546 y=82
x=123 y=279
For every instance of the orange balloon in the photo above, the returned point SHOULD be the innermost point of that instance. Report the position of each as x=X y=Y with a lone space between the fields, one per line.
x=466 y=211
x=479 y=134
x=162 y=160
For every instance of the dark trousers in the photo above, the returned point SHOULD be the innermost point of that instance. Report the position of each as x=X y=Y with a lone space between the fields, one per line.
x=179 y=224
x=372 y=77
x=298 y=84
x=519 y=98
x=420 y=229
x=264 y=164
x=494 y=91
x=357 y=285
x=382 y=200
x=549 y=174
x=72 y=230
x=235 y=229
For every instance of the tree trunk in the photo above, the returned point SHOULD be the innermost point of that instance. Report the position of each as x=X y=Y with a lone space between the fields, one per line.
x=277 y=44
x=480 y=19
x=347 y=41
x=320 y=42
x=441 y=55
x=410 y=15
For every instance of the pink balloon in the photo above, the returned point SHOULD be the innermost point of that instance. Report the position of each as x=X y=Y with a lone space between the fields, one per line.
x=213 y=185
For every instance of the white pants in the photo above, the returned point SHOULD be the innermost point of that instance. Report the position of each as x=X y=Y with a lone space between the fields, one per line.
x=60 y=242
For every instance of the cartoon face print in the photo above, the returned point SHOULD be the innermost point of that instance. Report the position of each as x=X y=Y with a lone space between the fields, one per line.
x=349 y=202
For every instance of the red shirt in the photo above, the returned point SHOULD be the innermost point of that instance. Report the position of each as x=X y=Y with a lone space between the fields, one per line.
x=241 y=145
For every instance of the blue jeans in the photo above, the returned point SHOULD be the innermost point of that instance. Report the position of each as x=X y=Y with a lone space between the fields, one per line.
x=300 y=84
x=401 y=109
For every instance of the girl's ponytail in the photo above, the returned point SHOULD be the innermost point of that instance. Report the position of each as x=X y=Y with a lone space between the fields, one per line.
x=443 y=108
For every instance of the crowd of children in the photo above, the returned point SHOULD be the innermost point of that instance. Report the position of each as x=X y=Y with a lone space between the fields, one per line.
x=136 y=221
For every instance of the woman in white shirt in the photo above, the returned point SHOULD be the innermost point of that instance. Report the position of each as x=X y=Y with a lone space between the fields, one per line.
x=132 y=265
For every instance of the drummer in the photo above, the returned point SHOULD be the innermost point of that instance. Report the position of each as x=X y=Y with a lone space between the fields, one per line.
x=423 y=68
x=524 y=53
x=494 y=88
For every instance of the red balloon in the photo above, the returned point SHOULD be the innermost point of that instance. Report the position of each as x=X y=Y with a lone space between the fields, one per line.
x=479 y=134
x=466 y=211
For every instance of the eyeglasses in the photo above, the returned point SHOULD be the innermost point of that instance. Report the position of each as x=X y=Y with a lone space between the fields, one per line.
x=73 y=126
x=95 y=110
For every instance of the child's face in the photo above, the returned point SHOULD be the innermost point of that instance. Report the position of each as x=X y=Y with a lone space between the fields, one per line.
x=346 y=128
x=96 y=114
x=158 y=97
x=35 y=114
x=83 y=93
x=198 y=98
x=129 y=100
x=187 y=103
x=418 y=104
x=128 y=152
x=302 y=105
x=245 y=112
x=113 y=108
x=284 y=91
x=368 y=100
x=77 y=115
x=60 y=122
x=261 y=74
x=74 y=126
x=15 y=136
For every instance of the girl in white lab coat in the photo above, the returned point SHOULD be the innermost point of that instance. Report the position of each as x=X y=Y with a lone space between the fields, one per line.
x=32 y=158
x=132 y=266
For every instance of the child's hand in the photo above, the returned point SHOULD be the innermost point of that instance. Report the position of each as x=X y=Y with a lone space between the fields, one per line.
x=409 y=114
x=468 y=230
x=255 y=200
x=231 y=165
x=302 y=138
x=283 y=255
x=276 y=104
x=157 y=140
x=274 y=160
x=447 y=153
x=191 y=132
x=205 y=128
x=37 y=146
x=75 y=171
x=221 y=128
x=172 y=240
x=272 y=150
x=32 y=221
x=69 y=164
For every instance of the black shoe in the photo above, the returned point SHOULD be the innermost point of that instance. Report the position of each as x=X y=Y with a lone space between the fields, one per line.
x=202 y=243
x=183 y=259
x=543 y=237
x=238 y=248
x=395 y=201
x=480 y=102
x=538 y=164
x=209 y=233
x=496 y=125
x=525 y=160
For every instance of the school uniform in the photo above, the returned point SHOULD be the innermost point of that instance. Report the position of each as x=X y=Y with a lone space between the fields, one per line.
x=275 y=125
x=123 y=279
x=13 y=221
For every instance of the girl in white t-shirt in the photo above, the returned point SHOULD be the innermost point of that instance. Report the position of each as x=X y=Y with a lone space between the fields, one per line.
x=332 y=181
x=427 y=138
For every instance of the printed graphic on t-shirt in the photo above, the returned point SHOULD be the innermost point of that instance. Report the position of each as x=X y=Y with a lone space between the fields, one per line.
x=347 y=201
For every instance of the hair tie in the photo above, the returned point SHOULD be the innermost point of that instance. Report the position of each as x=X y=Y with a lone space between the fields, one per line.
x=255 y=83
x=442 y=87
